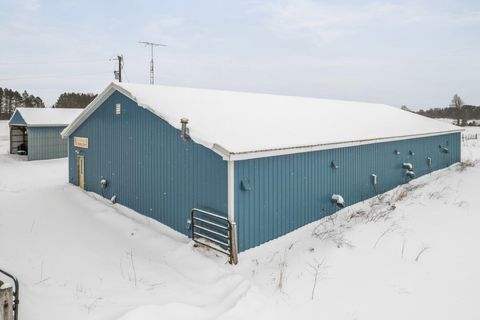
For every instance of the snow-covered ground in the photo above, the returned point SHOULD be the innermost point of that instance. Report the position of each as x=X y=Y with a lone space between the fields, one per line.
x=454 y=121
x=4 y=137
x=412 y=253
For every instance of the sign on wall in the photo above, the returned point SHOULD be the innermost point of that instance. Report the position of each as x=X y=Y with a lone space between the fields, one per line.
x=80 y=142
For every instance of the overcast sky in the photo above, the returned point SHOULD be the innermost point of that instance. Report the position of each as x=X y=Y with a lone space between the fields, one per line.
x=414 y=53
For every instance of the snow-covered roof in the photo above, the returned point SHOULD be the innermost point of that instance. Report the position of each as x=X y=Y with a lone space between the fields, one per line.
x=46 y=117
x=241 y=125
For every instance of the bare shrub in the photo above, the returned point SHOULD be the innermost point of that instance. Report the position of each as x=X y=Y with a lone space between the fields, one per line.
x=324 y=233
x=282 y=272
x=422 y=250
x=390 y=229
x=315 y=271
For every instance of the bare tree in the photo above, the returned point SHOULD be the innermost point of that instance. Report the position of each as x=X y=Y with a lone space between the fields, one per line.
x=457 y=103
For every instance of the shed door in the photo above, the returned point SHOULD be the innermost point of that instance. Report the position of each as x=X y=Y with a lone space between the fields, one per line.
x=81 y=171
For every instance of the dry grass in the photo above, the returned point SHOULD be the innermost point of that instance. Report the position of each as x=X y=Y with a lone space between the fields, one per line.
x=330 y=233
x=464 y=165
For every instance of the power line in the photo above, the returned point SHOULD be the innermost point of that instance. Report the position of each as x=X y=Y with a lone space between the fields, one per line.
x=8 y=63
x=54 y=76
x=126 y=76
x=152 y=44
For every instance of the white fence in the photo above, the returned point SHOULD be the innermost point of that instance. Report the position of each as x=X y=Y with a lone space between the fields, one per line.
x=469 y=136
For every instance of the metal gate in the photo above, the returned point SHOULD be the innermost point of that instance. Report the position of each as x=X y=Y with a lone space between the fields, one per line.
x=215 y=232
x=16 y=294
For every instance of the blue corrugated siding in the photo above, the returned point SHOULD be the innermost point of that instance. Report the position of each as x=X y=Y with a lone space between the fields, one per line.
x=46 y=143
x=290 y=191
x=147 y=165
x=17 y=119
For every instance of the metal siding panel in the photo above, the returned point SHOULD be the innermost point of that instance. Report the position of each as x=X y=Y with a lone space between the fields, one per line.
x=292 y=190
x=147 y=165
x=46 y=143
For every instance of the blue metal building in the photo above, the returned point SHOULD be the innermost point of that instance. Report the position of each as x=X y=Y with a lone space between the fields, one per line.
x=269 y=164
x=35 y=132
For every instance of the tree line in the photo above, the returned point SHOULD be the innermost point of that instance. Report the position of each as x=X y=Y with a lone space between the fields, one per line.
x=12 y=99
x=457 y=110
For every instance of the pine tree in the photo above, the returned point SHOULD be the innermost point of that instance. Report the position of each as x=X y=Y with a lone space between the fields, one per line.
x=74 y=100
x=1 y=103
x=27 y=101
x=10 y=100
x=37 y=102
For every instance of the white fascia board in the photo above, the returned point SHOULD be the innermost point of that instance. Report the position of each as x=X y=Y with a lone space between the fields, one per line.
x=103 y=96
x=46 y=125
x=284 y=151
x=89 y=110
x=13 y=115
x=231 y=190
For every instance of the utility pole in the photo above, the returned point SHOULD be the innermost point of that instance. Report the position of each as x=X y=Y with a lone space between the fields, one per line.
x=152 y=65
x=118 y=73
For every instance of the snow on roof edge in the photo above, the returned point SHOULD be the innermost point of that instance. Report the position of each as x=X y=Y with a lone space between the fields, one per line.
x=242 y=155
x=47 y=117
x=209 y=145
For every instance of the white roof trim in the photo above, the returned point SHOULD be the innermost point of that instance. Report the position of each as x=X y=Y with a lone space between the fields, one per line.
x=279 y=152
x=46 y=125
x=104 y=96
x=92 y=106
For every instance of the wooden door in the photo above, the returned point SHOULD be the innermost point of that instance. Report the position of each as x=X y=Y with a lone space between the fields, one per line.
x=81 y=171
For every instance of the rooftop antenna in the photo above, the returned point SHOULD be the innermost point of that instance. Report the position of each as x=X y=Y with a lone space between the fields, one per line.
x=151 y=44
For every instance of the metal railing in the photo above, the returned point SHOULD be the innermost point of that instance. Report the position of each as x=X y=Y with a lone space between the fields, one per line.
x=215 y=232
x=16 y=293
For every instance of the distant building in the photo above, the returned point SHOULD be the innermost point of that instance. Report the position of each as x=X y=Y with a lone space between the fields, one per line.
x=269 y=163
x=35 y=132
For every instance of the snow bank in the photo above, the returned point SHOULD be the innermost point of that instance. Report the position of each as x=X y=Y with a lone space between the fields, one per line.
x=4 y=129
x=4 y=137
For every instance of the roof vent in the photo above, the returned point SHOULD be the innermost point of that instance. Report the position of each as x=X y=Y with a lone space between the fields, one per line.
x=185 y=132
x=338 y=200
x=429 y=161
x=407 y=165
x=410 y=174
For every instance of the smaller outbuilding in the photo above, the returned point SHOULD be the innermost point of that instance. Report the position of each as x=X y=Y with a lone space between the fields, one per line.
x=35 y=132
